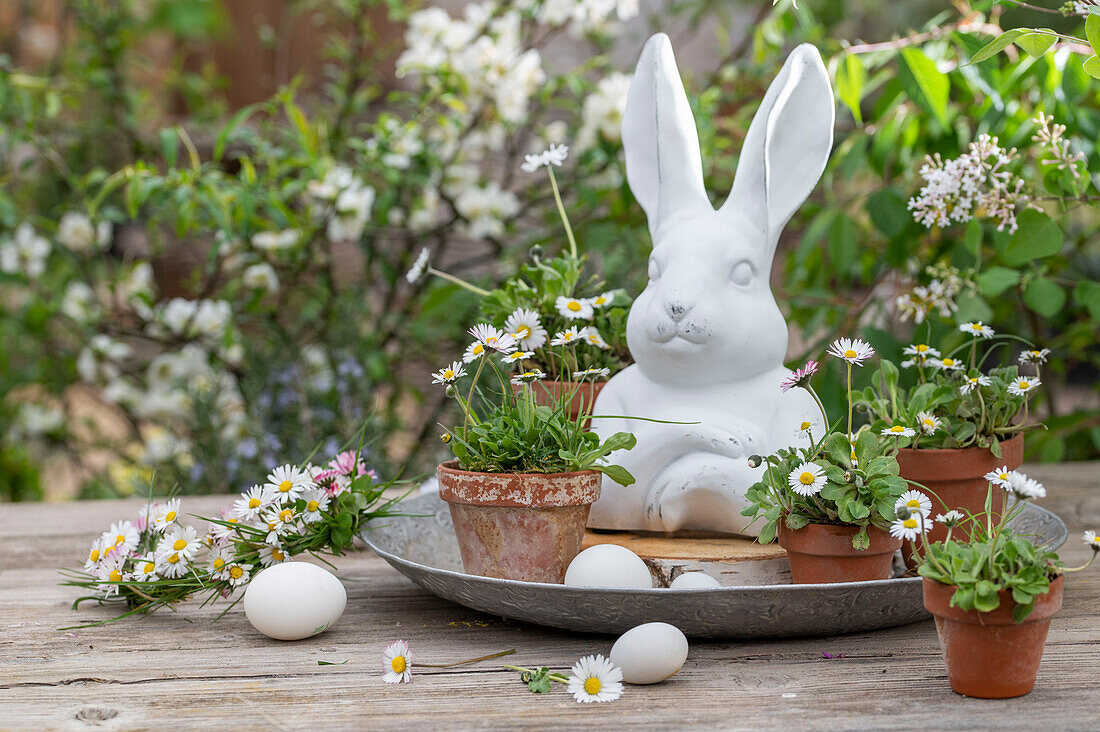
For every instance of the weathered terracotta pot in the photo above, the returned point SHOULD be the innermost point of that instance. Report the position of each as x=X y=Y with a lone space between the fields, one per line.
x=520 y=526
x=823 y=553
x=549 y=393
x=955 y=479
x=989 y=655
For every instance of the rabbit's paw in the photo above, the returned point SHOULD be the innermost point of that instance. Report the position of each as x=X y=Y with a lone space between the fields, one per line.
x=701 y=491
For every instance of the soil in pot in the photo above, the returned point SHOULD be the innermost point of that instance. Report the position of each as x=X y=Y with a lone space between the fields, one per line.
x=823 y=553
x=520 y=526
x=989 y=655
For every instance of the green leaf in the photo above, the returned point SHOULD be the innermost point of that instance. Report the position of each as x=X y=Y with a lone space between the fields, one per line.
x=1092 y=67
x=234 y=122
x=850 y=77
x=1038 y=236
x=888 y=212
x=1037 y=43
x=996 y=280
x=1087 y=293
x=1092 y=31
x=617 y=473
x=331 y=663
x=995 y=46
x=933 y=84
x=1044 y=296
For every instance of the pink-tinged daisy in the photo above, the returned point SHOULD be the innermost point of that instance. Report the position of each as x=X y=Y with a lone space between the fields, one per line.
x=799 y=377
x=854 y=351
x=977 y=329
x=349 y=462
x=97 y=553
x=1038 y=357
x=1022 y=385
x=493 y=338
x=166 y=515
x=595 y=679
x=398 y=663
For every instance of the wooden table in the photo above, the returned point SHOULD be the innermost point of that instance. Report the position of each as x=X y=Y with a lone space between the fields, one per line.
x=181 y=671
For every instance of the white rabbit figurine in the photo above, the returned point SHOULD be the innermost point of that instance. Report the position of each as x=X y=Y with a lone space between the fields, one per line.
x=706 y=333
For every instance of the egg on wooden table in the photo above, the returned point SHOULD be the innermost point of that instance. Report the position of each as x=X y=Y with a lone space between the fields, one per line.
x=608 y=565
x=694 y=581
x=294 y=600
x=650 y=653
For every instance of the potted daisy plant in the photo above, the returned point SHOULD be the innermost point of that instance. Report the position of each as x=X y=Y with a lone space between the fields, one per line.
x=963 y=420
x=526 y=471
x=831 y=501
x=992 y=591
x=564 y=321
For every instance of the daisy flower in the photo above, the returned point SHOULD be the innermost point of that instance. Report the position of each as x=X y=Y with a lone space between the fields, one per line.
x=286 y=483
x=166 y=515
x=237 y=574
x=278 y=524
x=219 y=562
x=271 y=554
x=145 y=569
x=555 y=155
x=527 y=377
x=1002 y=477
x=804 y=429
x=170 y=564
x=123 y=536
x=951 y=518
x=221 y=532
x=970 y=383
x=474 y=351
x=929 y=423
x=517 y=356
x=97 y=553
x=1025 y=487
x=977 y=329
x=252 y=503
x=854 y=351
x=494 y=338
x=592 y=373
x=908 y=528
x=604 y=300
x=916 y=502
x=566 y=337
x=110 y=570
x=898 y=431
x=419 y=266
x=350 y=463
x=316 y=502
x=799 y=377
x=1022 y=385
x=572 y=308
x=449 y=374
x=595 y=679
x=946 y=364
x=921 y=351
x=807 y=479
x=1039 y=357
x=1090 y=538
x=398 y=663
x=593 y=337
x=525 y=326
x=183 y=540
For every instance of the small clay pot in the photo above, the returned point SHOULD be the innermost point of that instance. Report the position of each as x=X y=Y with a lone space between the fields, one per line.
x=823 y=553
x=584 y=393
x=989 y=655
x=954 y=477
x=520 y=526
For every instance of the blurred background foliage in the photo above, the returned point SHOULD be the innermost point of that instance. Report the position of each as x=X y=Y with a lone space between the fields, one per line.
x=207 y=208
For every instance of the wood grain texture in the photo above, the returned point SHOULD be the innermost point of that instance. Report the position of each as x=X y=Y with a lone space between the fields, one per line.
x=183 y=671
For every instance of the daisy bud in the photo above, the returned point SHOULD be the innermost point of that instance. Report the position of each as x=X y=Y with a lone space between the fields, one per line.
x=902 y=512
x=450 y=390
x=755 y=461
x=536 y=252
x=849 y=476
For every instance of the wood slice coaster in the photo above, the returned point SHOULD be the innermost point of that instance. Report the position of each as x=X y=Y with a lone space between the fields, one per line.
x=733 y=561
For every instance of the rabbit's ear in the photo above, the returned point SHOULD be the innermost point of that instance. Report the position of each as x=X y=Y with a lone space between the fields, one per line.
x=787 y=145
x=663 y=164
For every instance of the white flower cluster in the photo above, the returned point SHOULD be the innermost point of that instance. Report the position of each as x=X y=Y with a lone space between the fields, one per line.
x=586 y=16
x=485 y=209
x=1050 y=136
x=975 y=184
x=602 y=113
x=940 y=295
x=344 y=199
x=24 y=253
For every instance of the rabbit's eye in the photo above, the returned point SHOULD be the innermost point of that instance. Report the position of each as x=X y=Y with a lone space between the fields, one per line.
x=741 y=274
x=654 y=270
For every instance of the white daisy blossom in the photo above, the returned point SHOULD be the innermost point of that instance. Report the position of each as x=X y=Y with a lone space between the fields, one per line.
x=183 y=540
x=97 y=553
x=916 y=502
x=555 y=155
x=1025 y=487
x=474 y=351
x=977 y=329
x=237 y=574
x=593 y=337
x=418 y=267
x=316 y=501
x=973 y=382
x=167 y=515
x=1090 y=538
x=76 y=232
x=287 y=482
x=1038 y=357
x=527 y=377
x=572 y=308
x=929 y=423
x=110 y=570
x=603 y=301
x=854 y=351
x=908 y=528
x=222 y=532
x=398 y=663
x=899 y=431
x=219 y=562
x=261 y=276
x=951 y=518
x=144 y=569
x=525 y=326
x=171 y=564
x=25 y=253
x=595 y=679
x=517 y=356
x=566 y=337
x=1002 y=477
x=1022 y=385
x=449 y=374
x=272 y=554
x=807 y=479
x=123 y=537
x=278 y=523
x=592 y=373
x=494 y=338
x=921 y=351
x=946 y=364
x=252 y=503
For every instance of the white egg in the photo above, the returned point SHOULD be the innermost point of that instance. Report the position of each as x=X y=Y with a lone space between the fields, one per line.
x=693 y=581
x=608 y=565
x=294 y=600
x=650 y=653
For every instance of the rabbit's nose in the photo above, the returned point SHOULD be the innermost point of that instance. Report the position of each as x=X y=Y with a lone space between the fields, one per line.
x=677 y=309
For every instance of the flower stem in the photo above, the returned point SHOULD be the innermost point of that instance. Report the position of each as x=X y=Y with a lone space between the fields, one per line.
x=849 y=401
x=458 y=281
x=472 y=660
x=552 y=676
x=561 y=210
x=820 y=406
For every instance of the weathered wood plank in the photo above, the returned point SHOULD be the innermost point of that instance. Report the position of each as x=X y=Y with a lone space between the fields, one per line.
x=185 y=671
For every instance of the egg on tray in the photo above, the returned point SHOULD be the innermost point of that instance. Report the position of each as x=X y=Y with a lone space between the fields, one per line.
x=608 y=565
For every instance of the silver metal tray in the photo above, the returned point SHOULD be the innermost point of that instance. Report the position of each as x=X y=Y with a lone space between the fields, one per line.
x=425 y=550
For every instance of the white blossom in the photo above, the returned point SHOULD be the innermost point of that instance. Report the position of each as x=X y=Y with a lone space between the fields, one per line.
x=25 y=253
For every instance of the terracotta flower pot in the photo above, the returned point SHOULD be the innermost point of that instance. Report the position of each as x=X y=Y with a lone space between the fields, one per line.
x=521 y=526
x=548 y=393
x=955 y=479
x=823 y=553
x=989 y=655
